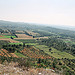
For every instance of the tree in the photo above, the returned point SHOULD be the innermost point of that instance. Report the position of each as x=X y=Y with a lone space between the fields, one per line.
x=54 y=65
x=50 y=50
x=23 y=44
x=11 y=37
x=39 y=60
x=33 y=36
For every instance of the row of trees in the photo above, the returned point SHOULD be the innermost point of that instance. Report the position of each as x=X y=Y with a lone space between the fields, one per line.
x=11 y=48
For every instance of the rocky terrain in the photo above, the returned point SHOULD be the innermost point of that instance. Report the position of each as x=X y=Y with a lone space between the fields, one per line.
x=13 y=69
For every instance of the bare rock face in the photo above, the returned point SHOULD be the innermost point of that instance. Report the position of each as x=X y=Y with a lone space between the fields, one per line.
x=13 y=69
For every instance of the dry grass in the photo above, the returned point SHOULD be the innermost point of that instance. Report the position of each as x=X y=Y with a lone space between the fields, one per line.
x=13 y=69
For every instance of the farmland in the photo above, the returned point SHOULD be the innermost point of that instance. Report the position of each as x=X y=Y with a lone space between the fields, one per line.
x=26 y=40
x=15 y=43
x=32 y=33
x=23 y=36
x=44 y=46
x=10 y=40
x=55 y=53
x=19 y=54
x=5 y=53
x=33 y=53
x=5 y=36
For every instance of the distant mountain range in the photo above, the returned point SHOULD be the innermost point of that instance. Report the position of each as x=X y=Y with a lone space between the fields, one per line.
x=8 y=23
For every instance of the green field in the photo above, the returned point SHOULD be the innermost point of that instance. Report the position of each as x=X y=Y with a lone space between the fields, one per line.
x=27 y=40
x=32 y=44
x=5 y=36
x=55 y=53
x=15 y=43
x=19 y=54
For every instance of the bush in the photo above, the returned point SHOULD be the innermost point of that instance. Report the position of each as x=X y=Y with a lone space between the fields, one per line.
x=24 y=63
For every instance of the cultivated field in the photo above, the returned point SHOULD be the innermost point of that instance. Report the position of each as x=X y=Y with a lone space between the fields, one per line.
x=55 y=53
x=23 y=36
x=10 y=40
x=34 y=53
x=19 y=32
x=7 y=36
x=5 y=53
x=43 y=38
x=32 y=33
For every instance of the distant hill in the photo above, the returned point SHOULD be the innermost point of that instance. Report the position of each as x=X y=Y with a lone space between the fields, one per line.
x=35 y=27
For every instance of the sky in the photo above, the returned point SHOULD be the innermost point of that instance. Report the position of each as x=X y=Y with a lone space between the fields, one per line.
x=55 y=12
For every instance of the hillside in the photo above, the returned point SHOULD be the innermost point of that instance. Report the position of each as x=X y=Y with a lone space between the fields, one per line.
x=6 y=69
x=37 y=46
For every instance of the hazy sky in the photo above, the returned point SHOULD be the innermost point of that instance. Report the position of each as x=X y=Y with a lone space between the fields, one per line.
x=59 y=12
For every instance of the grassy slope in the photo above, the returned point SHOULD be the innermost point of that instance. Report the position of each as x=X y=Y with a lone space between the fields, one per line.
x=16 y=43
x=55 y=53
x=19 y=54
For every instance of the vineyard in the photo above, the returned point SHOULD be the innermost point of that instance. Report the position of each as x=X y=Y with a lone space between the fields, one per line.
x=30 y=52
x=34 y=53
x=5 y=53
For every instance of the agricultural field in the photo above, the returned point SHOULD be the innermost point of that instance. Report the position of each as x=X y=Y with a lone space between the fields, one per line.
x=32 y=33
x=19 y=32
x=9 y=40
x=19 y=54
x=23 y=36
x=26 y=40
x=55 y=53
x=7 y=36
x=47 y=47
x=5 y=53
x=16 y=43
x=43 y=38
x=34 y=53
x=33 y=44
